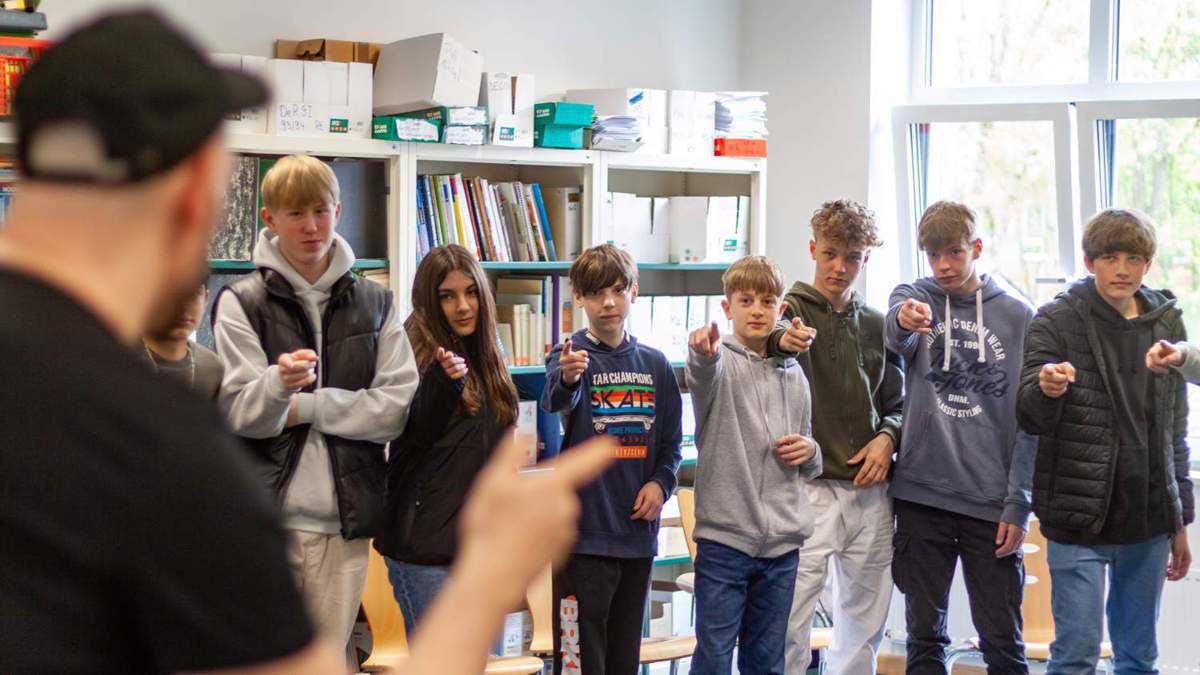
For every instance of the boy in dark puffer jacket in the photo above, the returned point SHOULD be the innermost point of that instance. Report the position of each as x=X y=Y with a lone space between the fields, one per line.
x=1111 y=482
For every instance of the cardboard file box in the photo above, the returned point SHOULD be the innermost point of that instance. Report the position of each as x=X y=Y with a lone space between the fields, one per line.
x=556 y=136
x=563 y=114
x=426 y=72
x=322 y=49
x=414 y=129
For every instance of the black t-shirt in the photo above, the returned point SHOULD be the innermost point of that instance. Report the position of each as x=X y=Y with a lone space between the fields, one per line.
x=133 y=537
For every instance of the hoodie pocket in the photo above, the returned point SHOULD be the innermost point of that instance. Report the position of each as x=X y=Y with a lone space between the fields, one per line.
x=964 y=456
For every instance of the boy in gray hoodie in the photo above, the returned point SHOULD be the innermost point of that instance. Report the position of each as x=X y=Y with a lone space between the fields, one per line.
x=1183 y=357
x=961 y=486
x=318 y=377
x=754 y=435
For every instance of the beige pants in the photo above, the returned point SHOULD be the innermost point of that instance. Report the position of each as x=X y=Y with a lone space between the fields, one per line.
x=331 y=572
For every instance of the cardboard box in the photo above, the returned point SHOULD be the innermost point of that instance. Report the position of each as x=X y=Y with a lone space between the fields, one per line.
x=465 y=135
x=564 y=208
x=648 y=105
x=455 y=116
x=315 y=98
x=426 y=72
x=510 y=101
x=740 y=147
x=654 y=141
x=557 y=136
x=563 y=114
x=414 y=129
x=323 y=49
x=709 y=229
x=250 y=120
x=613 y=144
x=692 y=122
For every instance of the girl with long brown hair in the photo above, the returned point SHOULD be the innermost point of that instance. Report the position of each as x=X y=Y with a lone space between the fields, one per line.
x=465 y=403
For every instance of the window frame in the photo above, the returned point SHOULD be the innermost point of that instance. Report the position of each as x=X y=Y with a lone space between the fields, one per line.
x=1060 y=115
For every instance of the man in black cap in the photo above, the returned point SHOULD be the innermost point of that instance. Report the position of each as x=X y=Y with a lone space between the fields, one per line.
x=133 y=537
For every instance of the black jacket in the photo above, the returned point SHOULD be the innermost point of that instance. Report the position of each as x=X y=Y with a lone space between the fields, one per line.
x=430 y=469
x=1077 y=449
x=353 y=318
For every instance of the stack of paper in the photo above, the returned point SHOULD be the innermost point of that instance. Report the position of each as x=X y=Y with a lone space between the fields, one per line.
x=616 y=132
x=742 y=114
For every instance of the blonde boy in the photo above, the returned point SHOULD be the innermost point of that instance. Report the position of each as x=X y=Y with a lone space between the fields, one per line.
x=753 y=431
x=318 y=376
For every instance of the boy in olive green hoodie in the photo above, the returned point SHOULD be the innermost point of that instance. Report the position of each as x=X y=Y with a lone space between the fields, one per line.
x=857 y=395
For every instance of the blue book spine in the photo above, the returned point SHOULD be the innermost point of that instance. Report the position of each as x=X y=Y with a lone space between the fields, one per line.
x=422 y=223
x=541 y=207
x=431 y=217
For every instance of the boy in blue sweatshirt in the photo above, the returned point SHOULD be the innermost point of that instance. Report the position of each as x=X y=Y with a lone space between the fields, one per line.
x=961 y=487
x=603 y=381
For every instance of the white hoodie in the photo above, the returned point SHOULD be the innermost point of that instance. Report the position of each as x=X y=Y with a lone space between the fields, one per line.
x=255 y=401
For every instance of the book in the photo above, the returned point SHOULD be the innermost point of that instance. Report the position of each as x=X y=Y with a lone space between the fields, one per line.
x=507 y=199
x=21 y=22
x=564 y=212
x=534 y=224
x=495 y=224
x=445 y=214
x=423 y=243
x=547 y=234
x=475 y=197
x=431 y=219
x=458 y=204
x=505 y=335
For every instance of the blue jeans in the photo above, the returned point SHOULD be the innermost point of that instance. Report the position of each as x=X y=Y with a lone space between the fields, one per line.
x=415 y=588
x=1135 y=574
x=742 y=601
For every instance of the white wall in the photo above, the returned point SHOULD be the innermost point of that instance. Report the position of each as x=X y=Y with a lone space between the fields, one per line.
x=813 y=56
x=565 y=43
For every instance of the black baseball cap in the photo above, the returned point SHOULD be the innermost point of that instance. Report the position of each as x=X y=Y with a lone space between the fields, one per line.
x=123 y=98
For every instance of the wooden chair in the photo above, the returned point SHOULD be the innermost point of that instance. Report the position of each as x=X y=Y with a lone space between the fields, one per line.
x=1035 y=607
x=390 y=642
x=821 y=637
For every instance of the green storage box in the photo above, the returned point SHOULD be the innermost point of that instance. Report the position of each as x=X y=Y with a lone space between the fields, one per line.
x=397 y=128
x=455 y=116
x=558 y=136
x=563 y=114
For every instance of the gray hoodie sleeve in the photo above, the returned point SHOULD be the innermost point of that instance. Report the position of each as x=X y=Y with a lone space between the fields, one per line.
x=901 y=341
x=252 y=396
x=1190 y=368
x=379 y=412
x=701 y=375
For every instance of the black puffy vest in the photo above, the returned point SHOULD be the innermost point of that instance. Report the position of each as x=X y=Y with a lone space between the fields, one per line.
x=350 y=329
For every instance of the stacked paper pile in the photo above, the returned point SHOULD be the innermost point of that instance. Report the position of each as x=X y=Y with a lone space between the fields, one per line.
x=742 y=114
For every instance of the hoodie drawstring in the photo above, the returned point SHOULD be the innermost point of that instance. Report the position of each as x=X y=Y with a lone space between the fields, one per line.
x=978 y=329
x=979 y=323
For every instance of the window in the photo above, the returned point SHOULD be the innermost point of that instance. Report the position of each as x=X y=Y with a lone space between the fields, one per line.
x=1156 y=164
x=1159 y=40
x=1008 y=42
x=984 y=164
x=1038 y=113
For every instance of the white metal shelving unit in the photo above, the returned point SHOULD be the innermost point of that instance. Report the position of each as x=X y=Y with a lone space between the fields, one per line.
x=597 y=172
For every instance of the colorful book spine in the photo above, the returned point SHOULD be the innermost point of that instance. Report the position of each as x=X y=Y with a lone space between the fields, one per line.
x=423 y=244
x=541 y=210
x=435 y=231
